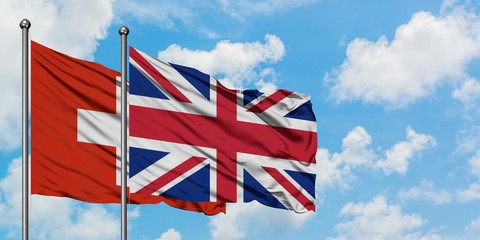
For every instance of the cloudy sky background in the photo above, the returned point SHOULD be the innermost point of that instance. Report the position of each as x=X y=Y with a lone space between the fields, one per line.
x=394 y=84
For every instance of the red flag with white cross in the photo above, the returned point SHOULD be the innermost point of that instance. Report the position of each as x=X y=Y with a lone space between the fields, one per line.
x=75 y=132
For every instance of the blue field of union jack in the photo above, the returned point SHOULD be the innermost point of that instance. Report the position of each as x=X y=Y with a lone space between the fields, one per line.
x=190 y=138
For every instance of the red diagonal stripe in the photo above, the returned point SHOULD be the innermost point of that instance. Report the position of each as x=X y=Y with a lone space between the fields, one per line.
x=157 y=76
x=269 y=101
x=171 y=175
x=295 y=192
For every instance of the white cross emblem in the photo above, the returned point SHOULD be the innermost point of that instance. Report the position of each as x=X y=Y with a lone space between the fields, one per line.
x=102 y=128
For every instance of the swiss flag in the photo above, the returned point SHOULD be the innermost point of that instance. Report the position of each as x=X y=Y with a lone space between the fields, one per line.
x=75 y=132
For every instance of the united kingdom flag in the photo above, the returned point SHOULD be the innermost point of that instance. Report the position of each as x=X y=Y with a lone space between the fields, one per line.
x=195 y=140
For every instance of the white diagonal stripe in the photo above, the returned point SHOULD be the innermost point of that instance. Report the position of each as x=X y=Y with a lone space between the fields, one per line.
x=174 y=77
x=160 y=168
x=177 y=154
x=253 y=164
x=274 y=116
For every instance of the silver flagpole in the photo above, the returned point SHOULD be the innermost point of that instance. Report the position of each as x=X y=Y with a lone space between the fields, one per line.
x=25 y=26
x=123 y=31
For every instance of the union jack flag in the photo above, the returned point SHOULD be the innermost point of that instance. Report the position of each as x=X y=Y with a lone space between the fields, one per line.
x=195 y=140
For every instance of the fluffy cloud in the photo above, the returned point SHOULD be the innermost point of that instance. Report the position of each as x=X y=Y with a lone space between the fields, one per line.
x=170 y=234
x=378 y=220
x=52 y=217
x=474 y=226
x=411 y=66
x=425 y=191
x=241 y=69
x=468 y=140
x=355 y=148
x=62 y=25
x=468 y=94
x=249 y=219
x=472 y=193
x=398 y=157
x=331 y=171
x=474 y=163
x=337 y=168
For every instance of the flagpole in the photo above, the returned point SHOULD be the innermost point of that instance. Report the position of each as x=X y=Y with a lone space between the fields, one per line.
x=25 y=26
x=123 y=31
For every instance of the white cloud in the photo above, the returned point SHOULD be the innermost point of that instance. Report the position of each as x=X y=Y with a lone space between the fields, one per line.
x=468 y=94
x=470 y=194
x=357 y=152
x=448 y=5
x=468 y=140
x=336 y=169
x=163 y=13
x=425 y=191
x=11 y=196
x=248 y=219
x=73 y=27
x=420 y=236
x=473 y=226
x=133 y=213
x=92 y=222
x=377 y=220
x=411 y=66
x=398 y=157
x=331 y=171
x=52 y=217
x=241 y=9
x=170 y=234
x=241 y=69
x=471 y=231
x=474 y=163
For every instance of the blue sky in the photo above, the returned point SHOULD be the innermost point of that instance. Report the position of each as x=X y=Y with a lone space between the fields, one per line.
x=395 y=88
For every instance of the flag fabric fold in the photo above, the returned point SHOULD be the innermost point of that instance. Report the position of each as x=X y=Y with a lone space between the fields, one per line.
x=75 y=132
x=193 y=139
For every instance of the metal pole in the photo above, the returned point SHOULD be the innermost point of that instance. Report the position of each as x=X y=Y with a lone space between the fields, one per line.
x=123 y=31
x=25 y=26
